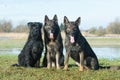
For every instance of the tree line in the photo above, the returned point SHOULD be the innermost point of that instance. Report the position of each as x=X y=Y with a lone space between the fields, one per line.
x=112 y=28
x=6 y=26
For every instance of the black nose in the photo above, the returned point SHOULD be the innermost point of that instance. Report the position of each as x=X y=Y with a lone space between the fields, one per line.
x=71 y=33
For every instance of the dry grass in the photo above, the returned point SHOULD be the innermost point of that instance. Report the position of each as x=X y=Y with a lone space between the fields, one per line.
x=25 y=35
x=14 y=35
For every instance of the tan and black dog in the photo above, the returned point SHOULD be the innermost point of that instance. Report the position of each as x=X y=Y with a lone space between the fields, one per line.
x=53 y=43
x=77 y=47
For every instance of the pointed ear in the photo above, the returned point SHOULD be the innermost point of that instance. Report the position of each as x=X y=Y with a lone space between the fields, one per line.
x=55 y=18
x=66 y=20
x=46 y=19
x=78 y=21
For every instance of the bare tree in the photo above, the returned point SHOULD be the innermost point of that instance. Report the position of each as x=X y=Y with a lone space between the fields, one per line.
x=21 y=28
x=5 y=26
x=114 y=27
x=100 y=31
x=92 y=30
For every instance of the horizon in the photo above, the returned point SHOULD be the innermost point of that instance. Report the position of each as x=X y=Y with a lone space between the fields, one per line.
x=93 y=13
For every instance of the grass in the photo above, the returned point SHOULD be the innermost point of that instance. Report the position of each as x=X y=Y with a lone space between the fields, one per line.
x=20 y=73
x=12 y=43
x=104 y=41
x=19 y=43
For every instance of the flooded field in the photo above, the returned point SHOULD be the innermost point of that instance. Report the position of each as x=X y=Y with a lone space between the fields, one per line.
x=101 y=52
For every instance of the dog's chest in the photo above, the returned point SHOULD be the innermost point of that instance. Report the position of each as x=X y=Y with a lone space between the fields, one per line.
x=74 y=48
x=52 y=47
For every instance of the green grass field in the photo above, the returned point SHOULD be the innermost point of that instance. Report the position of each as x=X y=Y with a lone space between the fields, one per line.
x=20 y=73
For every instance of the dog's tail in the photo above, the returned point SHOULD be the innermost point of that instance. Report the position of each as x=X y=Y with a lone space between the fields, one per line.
x=110 y=67
x=17 y=65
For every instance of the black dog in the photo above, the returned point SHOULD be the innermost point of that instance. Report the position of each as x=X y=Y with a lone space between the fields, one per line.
x=77 y=47
x=53 y=43
x=31 y=53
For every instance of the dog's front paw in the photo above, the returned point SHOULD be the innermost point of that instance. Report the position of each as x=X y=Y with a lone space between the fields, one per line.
x=48 y=66
x=81 y=68
x=65 y=67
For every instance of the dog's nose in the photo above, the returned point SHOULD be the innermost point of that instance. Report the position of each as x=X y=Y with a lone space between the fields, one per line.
x=71 y=34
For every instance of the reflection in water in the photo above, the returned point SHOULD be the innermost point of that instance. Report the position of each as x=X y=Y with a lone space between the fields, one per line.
x=101 y=52
x=10 y=51
x=107 y=52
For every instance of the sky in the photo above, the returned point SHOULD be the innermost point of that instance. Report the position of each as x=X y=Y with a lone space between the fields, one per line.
x=93 y=13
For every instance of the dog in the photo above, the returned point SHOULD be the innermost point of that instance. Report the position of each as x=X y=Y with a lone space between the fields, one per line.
x=32 y=50
x=78 y=48
x=53 y=56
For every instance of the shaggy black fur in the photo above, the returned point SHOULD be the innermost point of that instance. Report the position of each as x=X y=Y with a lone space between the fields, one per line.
x=31 y=53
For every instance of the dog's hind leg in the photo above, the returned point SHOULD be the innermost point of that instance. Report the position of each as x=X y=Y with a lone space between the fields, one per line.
x=92 y=63
x=61 y=60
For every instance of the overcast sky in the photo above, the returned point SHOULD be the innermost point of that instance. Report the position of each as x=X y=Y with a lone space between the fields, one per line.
x=92 y=12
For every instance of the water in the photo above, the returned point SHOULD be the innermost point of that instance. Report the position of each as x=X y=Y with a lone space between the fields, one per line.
x=101 y=52
x=107 y=52
x=10 y=51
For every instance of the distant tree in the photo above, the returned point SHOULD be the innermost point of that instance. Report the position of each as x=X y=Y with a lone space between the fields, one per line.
x=100 y=31
x=62 y=27
x=114 y=27
x=5 y=26
x=92 y=30
x=21 y=28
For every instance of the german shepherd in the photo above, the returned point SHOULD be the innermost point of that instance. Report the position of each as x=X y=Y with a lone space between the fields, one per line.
x=77 y=47
x=53 y=43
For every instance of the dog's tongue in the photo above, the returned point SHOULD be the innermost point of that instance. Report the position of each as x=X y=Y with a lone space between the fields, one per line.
x=51 y=35
x=72 y=40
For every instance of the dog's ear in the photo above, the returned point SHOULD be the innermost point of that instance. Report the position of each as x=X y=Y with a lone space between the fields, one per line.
x=55 y=18
x=46 y=19
x=78 y=21
x=66 y=20
x=40 y=25
x=29 y=24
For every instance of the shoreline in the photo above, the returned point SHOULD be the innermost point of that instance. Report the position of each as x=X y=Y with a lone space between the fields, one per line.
x=17 y=40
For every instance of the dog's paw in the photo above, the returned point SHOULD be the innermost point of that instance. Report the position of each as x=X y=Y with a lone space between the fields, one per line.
x=48 y=67
x=65 y=68
x=81 y=68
